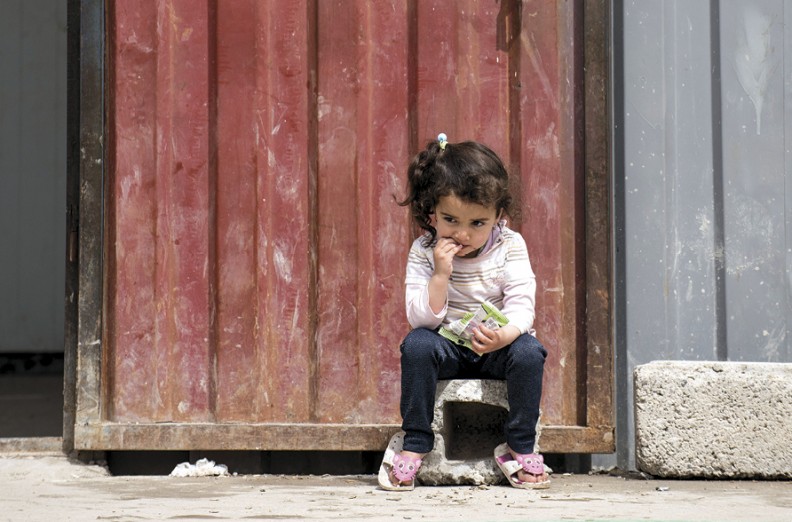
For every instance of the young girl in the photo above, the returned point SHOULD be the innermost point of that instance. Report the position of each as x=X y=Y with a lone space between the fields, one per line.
x=458 y=193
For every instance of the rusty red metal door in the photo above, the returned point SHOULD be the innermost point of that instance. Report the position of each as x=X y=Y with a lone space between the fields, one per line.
x=254 y=251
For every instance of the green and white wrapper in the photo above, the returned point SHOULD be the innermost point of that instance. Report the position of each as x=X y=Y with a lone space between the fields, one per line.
x=461 y=330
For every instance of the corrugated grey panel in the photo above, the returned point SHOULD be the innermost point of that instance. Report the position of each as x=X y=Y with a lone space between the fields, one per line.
x=670 y=284
x=668 y=182
x=33 y=174
x=787 y=43
x=754 y=161
x=707 y=232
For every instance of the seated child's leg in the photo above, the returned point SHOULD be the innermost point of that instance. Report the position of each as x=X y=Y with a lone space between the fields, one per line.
x=522 y=366
x=426 y=357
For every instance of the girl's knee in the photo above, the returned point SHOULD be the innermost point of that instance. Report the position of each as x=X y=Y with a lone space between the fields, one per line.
x=527 y=351
x=420 y=343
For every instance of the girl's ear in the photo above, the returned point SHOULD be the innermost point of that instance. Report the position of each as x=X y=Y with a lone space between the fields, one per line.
x=501 y=214
x=433 y=219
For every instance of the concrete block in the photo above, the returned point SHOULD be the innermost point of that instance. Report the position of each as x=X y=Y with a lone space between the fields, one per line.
x=714 y=419
x=468 y=423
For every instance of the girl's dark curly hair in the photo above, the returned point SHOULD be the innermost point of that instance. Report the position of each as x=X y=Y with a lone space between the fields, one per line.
x=468 y=170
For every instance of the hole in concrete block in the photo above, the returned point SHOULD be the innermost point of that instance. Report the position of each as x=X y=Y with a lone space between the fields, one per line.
x=472 y=429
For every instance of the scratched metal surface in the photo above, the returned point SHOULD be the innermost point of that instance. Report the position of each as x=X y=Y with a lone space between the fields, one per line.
x=704 y=184
x=255 y=252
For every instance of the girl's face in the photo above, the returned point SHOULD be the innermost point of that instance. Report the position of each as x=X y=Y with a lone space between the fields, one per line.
x=468 y=224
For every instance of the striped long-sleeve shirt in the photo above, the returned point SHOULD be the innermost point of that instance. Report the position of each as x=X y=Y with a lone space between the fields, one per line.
x=501 y=275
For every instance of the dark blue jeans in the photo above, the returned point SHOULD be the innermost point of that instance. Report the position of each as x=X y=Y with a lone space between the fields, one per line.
x=427 y=357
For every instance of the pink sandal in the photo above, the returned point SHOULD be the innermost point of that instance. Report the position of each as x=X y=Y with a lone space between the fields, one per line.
x=404 y=468
x=530 y=463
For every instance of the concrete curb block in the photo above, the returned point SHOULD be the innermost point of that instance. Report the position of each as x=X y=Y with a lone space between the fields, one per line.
x=468 y=425
x=714 y=419
x=32 y=445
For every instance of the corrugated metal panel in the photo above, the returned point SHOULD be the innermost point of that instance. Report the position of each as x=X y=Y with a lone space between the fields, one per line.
x=162 y=223
x=264 y=197
x=705 y=164
x=255 y=250
x=362 y=101
x=756 y=115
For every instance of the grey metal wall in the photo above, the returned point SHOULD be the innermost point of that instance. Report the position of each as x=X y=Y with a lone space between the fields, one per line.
x=32 y=175
x=702 y=102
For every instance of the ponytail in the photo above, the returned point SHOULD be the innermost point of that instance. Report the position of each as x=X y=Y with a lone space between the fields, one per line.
x=422 y=185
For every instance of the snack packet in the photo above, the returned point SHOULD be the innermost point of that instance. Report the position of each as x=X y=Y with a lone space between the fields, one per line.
x=461 y=330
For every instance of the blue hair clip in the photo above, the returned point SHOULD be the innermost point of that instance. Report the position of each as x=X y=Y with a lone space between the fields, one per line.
x=442 y=139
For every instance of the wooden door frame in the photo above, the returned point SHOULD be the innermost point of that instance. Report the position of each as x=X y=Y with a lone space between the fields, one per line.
x=84 y=426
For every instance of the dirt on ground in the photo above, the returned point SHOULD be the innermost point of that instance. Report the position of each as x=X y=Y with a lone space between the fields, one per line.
x=52 y=487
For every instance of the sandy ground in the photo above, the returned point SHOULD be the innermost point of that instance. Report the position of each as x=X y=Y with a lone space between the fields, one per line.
x=51 y=487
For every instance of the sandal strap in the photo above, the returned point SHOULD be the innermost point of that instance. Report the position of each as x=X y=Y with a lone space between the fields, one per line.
x=405 y=468
x=532 y=463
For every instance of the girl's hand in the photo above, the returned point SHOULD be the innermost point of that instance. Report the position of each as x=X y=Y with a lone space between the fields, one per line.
x=486 y=340
x=444 y=252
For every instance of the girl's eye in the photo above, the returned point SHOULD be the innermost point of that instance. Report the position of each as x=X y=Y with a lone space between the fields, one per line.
x=450 y=220
x=478 y=224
